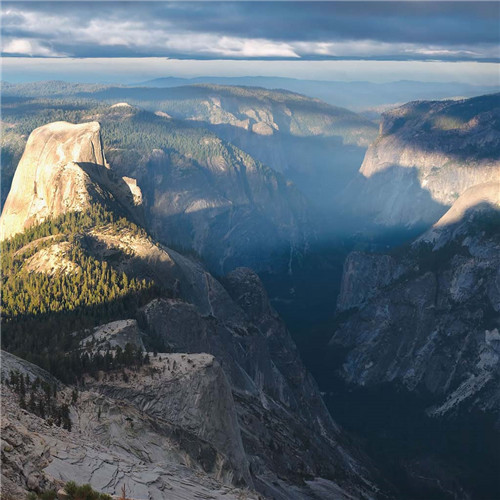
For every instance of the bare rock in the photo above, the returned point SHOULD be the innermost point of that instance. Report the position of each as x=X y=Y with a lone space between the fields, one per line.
x=51 y=260
x=433 y=330
x=63 y=169
x=48 y=180
x=191 y=392
x=115 y=334
x=114 y=444
x=363 y=275
x=481 y=198
x=427 y=154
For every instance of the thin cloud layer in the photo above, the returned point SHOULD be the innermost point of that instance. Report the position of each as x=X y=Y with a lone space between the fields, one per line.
x=448 y=31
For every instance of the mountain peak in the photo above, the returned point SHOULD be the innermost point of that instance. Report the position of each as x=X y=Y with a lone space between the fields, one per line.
x=63 y=169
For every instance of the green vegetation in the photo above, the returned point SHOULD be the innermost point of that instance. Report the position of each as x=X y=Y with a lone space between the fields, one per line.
x=74 y=492
x=134 y=131
x=40 y=313
x=131 y=357
x=83 y=492
x=40 y=398
x=93 y=284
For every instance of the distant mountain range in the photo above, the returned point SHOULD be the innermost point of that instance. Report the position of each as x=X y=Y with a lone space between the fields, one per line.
x=359 y=96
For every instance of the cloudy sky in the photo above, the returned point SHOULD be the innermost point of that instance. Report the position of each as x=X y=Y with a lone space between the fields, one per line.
x=44 y=37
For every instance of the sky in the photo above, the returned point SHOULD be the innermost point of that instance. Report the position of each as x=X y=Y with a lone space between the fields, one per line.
x=376 y=41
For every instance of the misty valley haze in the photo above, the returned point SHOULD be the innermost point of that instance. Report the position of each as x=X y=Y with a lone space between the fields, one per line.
x=250 y=250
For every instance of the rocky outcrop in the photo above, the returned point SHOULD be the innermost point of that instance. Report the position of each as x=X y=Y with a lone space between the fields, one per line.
x=363 y=276
x=269 y=383
x=428 y=153
x=432 y=328
x=63 y=169
x=11 y=363
x=475 y=200
x=113 y=444
x=115 y=334
x=52 y=259
x=190 y=392
x=224 y=205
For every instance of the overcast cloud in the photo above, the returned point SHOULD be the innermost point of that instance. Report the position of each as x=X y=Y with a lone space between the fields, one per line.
x=446 y=31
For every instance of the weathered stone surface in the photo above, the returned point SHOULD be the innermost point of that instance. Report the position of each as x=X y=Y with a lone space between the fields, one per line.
x=52 y=259
x=10 y=363
x=480 y=198
x=111 y=335
x=63 y=169
x=427 y=154
x=434 y=328
x=270 y=386
x=190 y=392
x=362 y=276
x=48 y=180
x=113 y=443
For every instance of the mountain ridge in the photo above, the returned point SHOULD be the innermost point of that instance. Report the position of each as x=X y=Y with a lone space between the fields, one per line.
x=247 y=358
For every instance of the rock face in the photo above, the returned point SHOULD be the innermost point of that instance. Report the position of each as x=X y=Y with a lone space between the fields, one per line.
x=115 y=334
x=317 y=146
x=203 y=194
x=477 y=199
x=62 y=169
x=227 y=207
x=427 y=154
x=268 y=379
x=363 y=275
x=432 y=325
x=190 y=392
x=155 y=452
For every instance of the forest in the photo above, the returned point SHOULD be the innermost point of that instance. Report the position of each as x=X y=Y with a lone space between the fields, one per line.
x=44 y=316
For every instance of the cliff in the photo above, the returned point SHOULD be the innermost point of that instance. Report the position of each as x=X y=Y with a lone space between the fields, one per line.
x=429 y=321
x=427 y=154
x=63 y=169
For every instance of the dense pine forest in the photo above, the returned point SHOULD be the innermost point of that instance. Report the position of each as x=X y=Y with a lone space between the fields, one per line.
x=42 y=314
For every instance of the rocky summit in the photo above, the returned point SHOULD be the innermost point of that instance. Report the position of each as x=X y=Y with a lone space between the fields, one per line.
x=63 y=169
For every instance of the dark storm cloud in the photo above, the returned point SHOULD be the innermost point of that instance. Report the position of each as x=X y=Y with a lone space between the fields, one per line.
x=426 y=22
x=307 y=30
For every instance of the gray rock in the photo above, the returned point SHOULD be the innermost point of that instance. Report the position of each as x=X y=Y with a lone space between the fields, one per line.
x=286 y=429
x=111 y=335
x=433 y=329
x=428 y=153
x=63 y=169
x=363 y=275
x=114 y=444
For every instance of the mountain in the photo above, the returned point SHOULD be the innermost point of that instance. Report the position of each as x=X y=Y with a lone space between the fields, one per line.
x=427 y=154
x=162 y=377
x=199 y=192
x=367 y=98
x=62 y=169
x=317 y=146
x=357 y=96
x=424 y=322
